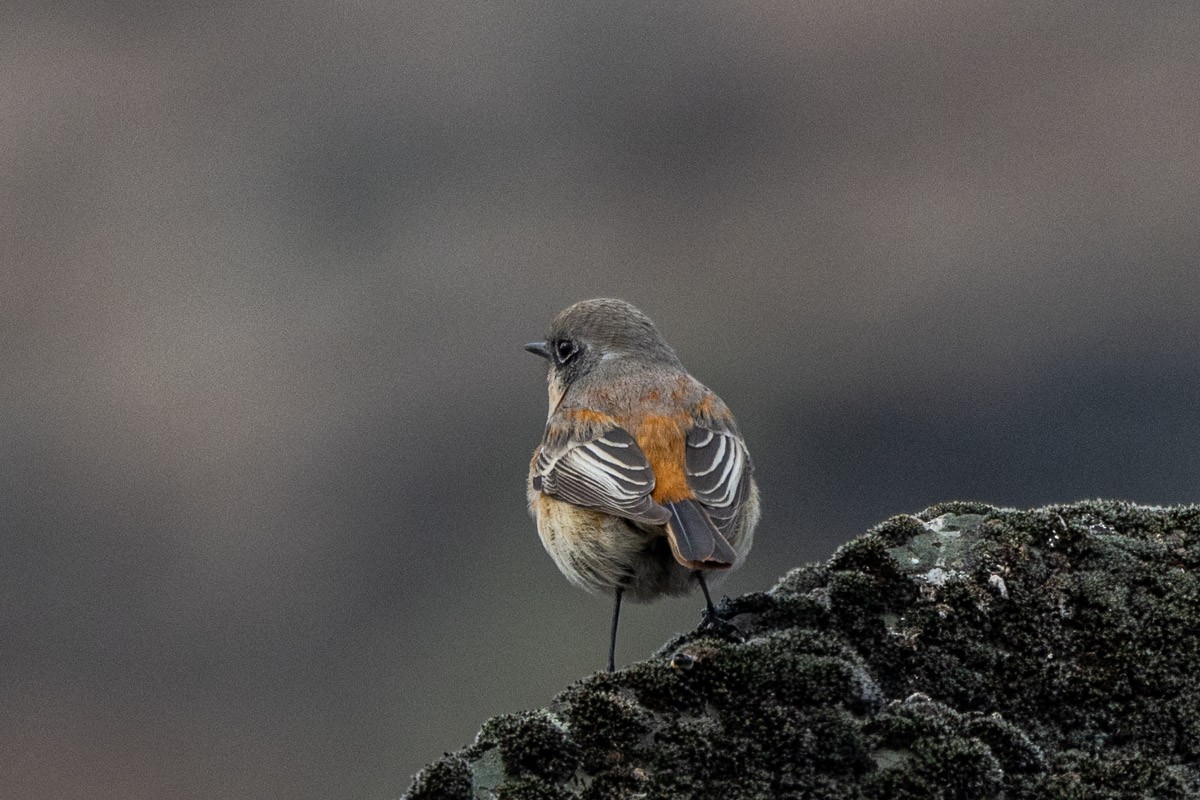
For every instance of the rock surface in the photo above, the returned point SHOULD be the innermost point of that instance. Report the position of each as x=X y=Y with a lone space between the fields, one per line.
x=963 y=652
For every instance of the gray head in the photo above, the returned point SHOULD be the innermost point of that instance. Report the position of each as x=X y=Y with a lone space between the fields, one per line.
x=593 y=331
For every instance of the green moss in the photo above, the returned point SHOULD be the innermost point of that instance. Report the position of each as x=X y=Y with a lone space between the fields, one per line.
x=957 y=507
x=661 y=686
x=615 y=786
x=531 y=744
x=929 y=750
x=609 y=728
x=800 y=580
x=866 y=585
x=532 y=789
x=1012 y=748
x=964 y=651
x=1112 y=777
x=448 y=779
x=899 y=529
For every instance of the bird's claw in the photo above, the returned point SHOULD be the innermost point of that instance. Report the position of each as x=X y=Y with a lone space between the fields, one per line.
x=712 y=621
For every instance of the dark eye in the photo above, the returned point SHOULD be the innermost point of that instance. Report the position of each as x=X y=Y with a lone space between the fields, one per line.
x=564 y=350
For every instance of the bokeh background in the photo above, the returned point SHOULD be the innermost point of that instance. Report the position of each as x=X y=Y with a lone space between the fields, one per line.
x=267 y=271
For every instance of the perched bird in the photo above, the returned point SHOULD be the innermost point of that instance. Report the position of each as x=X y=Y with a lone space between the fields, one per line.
x=642 y=484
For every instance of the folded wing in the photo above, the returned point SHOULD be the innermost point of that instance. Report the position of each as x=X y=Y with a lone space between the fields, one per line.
x=718 y=473
x=609 y=473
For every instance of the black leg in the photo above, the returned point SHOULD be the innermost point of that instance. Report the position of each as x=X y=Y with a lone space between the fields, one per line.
x=710 y=610
x=612 y=642
x=712 y=618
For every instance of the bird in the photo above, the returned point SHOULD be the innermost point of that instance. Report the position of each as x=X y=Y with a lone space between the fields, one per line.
x=642 y=485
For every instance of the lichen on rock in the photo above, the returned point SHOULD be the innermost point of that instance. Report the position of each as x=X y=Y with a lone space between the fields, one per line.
x=963 y=652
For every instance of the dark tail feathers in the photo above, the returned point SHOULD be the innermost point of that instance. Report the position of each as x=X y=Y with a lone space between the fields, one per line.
x=695 y=541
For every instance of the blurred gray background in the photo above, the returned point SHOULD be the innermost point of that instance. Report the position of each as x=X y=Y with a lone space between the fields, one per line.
x=267 y=271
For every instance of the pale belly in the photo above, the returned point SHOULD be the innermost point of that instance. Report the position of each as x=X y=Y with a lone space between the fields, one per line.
x=599 y=552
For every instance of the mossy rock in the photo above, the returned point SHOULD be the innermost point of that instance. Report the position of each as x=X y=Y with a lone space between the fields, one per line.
x=963 y=652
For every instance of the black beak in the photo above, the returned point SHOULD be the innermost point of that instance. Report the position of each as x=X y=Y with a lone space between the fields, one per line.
x=538 y=349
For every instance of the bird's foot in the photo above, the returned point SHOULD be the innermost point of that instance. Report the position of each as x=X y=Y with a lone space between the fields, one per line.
x=711 y=621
